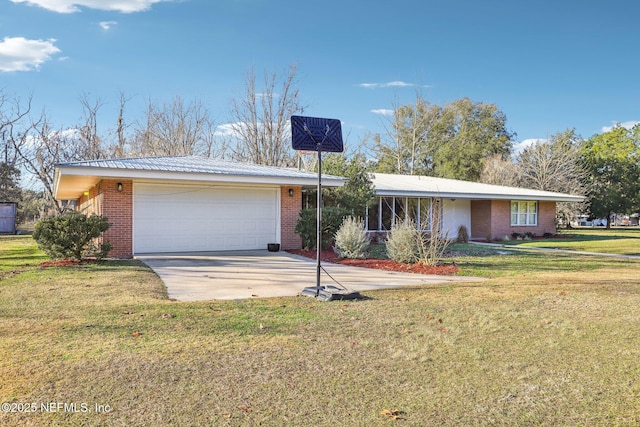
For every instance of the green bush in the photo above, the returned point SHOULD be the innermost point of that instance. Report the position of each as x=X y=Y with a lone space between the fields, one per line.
x=331 y=220
x=351 y=239
x=402 y=243
x=72 y=235
x=463 y=234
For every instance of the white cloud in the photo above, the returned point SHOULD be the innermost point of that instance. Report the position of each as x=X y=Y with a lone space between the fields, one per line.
x=231 y=130
x=627 y=125
x=106 y=25
x=522 y=145
x=71 y=6
x=20 y=54
x=395 y=83
x=237 y=130
x=383 y=112
x=267 y=95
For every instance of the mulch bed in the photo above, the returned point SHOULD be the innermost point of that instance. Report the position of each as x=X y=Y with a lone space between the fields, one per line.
x=380 y=264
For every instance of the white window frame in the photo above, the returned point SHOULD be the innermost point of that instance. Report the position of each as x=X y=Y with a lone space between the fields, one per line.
x=420 y=224
x=523 y=213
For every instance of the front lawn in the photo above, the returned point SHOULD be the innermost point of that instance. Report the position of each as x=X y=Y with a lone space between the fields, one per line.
x=618 y=240
x=548 y=340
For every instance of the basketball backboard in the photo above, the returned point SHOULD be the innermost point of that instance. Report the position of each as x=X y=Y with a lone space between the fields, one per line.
x=316 y=134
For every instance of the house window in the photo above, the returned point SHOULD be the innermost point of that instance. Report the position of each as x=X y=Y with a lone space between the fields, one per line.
x=387 y=213
x=373 y=217
x=399 y=211
x=524 y=213
x=424 y=206
x=392 y=210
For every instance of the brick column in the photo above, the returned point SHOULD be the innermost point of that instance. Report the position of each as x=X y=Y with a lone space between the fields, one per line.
x=118 y=208
x=290 y=207
x=105 y=199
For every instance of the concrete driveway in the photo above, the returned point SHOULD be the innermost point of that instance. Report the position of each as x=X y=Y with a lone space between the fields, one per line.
x=249 y=274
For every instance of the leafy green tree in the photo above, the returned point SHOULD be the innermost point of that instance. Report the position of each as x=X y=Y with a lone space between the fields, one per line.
x=33 y=205
x=468 y=133
x=449 y=141
x=332 y=218
x=613 y=162
x=358 y=192
x=10 y=183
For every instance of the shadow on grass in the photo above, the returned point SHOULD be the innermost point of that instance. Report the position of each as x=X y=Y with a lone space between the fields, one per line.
x=107 y=265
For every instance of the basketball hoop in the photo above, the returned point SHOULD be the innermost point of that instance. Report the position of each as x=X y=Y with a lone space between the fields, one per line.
x=313 y=134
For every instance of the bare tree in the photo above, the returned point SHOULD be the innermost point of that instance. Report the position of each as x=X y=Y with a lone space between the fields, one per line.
x=432 y=249
x=177 y=129
x=89 y=143
x=12 y=113
x=555 y=166
x=404 y=147
x=119 y=149
x=260 y=119
x=40 y=147
x=499 y=170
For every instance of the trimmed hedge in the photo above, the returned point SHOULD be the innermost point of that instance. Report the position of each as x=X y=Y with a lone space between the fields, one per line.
x=72 y=235
x=306 y=227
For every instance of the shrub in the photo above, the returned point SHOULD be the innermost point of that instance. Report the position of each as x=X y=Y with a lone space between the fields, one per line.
x=332 y=218
x=72 y=235
x=463 y=234
x=352 y=240
x=402 y=243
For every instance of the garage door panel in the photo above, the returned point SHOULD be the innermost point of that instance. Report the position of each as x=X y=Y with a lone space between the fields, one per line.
x=171 y=218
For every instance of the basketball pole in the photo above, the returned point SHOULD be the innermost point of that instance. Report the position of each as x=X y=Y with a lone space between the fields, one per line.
x=319 y=221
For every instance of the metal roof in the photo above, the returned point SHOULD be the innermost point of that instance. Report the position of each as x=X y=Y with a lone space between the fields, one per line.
x=427 y=186
x=74 y=178
x=191 y=164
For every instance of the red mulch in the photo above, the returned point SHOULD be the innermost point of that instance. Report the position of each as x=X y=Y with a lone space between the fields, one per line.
x=381 y=264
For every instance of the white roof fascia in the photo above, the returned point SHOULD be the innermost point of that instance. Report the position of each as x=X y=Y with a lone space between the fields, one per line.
x=482 y=196
x=191 y=176
x=409 y=186
x=106 y=173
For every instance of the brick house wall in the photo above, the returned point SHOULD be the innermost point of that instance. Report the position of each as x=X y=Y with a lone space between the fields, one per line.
x=290 y=207
x=480 y=219
x=501 y=219
x=491 y=219
x=105 y=199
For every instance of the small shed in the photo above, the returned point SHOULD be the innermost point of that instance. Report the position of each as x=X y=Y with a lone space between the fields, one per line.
x=8 y=217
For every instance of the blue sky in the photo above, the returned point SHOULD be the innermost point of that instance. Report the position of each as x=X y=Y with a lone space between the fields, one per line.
x=548 y=65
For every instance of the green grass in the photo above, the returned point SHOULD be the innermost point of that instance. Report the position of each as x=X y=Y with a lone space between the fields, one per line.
x=18 y=252
x=618 y=240
x=548 y=340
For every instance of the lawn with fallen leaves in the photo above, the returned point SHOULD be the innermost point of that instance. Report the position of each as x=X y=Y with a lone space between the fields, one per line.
x=548 y=340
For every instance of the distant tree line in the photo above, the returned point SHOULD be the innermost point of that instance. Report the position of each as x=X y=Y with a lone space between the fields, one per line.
x=257 y=131
x=462 y=139
x=469 y=140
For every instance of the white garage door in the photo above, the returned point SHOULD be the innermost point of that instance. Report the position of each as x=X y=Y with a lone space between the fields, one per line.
x=174 y=218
